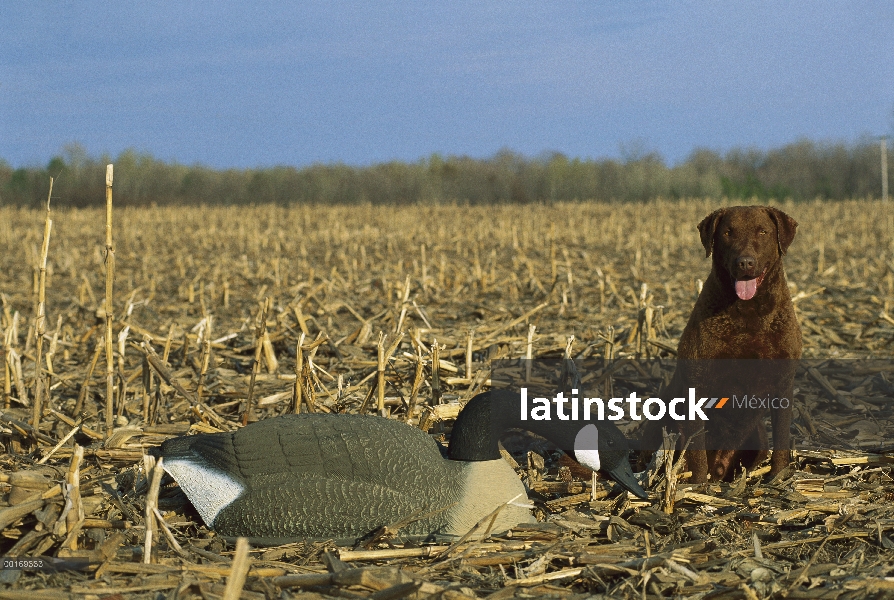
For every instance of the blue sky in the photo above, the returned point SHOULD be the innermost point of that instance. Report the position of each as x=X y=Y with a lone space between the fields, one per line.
x=245 y=84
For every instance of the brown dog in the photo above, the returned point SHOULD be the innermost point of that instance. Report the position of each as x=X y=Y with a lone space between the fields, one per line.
x=744 y=311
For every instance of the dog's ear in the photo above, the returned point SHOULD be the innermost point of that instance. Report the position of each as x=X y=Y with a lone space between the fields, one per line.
x=707 y=228
x=785 y=228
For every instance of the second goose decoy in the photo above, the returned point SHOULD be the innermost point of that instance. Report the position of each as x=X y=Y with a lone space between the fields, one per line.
x=316 y=476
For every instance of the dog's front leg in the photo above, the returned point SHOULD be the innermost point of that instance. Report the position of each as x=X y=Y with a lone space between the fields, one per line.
x=781 y=419
x=696 y=455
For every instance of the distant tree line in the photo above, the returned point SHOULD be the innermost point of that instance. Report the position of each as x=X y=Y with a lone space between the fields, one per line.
x=800 y=171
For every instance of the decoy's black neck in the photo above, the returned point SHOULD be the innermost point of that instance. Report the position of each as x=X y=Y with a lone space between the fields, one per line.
x=488 y=416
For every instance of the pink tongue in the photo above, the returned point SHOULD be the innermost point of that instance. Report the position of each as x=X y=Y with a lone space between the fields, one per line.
x=745 y=289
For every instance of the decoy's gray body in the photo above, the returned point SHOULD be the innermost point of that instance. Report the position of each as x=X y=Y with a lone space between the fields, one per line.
x=314 y=476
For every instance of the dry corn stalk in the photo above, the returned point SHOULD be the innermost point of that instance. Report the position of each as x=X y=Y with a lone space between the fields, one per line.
x=40 y=317
x=109 y=309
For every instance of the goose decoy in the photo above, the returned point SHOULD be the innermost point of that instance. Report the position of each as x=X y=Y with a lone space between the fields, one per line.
x=316 y=476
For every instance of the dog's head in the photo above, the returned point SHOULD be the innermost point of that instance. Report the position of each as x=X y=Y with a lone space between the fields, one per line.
x=746 y=241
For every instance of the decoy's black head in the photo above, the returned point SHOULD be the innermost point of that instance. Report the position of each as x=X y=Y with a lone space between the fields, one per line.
x=600 y=446
x=604 y=448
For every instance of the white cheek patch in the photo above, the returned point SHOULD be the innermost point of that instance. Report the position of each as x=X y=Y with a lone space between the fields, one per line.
x=209 y=491
x=586 y=447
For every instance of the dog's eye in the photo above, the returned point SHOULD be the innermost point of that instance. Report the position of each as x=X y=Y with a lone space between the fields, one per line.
x=727 y=232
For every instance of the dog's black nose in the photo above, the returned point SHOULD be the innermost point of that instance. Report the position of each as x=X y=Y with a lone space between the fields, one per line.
x=746 y=263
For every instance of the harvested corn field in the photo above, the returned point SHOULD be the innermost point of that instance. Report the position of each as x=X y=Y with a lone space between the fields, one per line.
x=222 y=316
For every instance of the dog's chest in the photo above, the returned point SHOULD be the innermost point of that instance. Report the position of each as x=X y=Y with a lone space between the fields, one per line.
x=731 y=334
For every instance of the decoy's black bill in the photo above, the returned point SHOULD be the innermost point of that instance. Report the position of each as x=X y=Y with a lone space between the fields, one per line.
x=623 y=474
